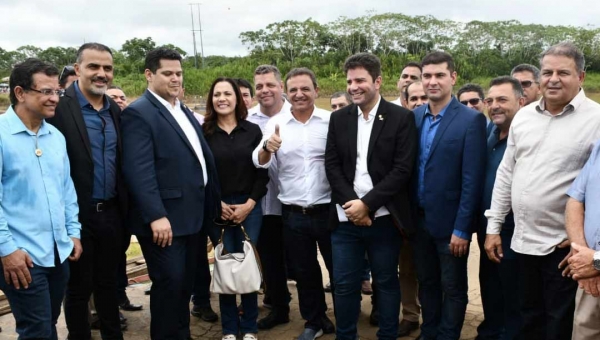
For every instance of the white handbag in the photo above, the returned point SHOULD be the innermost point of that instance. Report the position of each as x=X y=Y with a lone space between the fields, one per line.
x=236 y=273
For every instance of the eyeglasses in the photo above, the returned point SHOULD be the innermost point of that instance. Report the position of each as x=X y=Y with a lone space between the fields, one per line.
x=472 y=101
x=47 y=92
x=527 y=83
x=67 y=70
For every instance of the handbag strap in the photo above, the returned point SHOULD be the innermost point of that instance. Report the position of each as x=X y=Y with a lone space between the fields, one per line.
x=245 y=237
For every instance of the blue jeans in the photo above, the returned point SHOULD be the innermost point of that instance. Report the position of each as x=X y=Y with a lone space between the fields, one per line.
x=382 y=243
x=231 y=322
x=36 y=309
x=443 y=286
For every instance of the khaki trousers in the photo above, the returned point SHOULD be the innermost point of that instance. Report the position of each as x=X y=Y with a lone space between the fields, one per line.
x=586 y=323
x=409 y=287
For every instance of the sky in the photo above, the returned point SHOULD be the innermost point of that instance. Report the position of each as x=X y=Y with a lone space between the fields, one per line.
x=70 y=23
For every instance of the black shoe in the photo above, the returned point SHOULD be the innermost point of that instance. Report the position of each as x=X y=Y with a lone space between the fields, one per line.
x=128 y=306
x=204 y=313
x=327 y=287
x=406 y=327
x=374 y=317
x=122 y=318
x=327 y=326
x=267 y=302
x=273 y=319
x=147 y=291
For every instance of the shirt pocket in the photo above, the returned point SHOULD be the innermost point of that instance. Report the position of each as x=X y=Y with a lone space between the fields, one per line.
x=566 y=157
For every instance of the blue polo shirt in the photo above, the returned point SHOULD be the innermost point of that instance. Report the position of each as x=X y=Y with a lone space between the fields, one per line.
x=103 y=142
x=495 y=152
x=586 y=189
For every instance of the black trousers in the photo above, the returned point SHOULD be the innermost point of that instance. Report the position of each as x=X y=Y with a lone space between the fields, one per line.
x=201 y=290
x=96 y=272
x=122 y=280
x=272 y=256
x=302 y=234
x=171 y=270
x=548 y=298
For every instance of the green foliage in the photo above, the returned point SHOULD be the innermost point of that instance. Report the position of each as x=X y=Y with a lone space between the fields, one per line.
x=482 y=50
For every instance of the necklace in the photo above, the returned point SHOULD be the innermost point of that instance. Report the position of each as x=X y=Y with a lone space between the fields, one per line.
x=38 y=151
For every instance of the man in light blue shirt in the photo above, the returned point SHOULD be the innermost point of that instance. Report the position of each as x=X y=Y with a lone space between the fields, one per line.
x=582 y=224
x=39 y=229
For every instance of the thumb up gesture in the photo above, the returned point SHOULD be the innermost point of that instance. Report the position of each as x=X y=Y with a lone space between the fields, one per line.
x=274 y=142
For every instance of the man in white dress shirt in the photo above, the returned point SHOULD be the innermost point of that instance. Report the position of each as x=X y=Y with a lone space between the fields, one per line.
x=295 y=141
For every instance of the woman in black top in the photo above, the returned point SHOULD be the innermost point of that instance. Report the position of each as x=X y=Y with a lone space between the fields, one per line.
x=232 y=139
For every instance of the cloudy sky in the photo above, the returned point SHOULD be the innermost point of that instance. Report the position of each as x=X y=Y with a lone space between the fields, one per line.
x=70 y=23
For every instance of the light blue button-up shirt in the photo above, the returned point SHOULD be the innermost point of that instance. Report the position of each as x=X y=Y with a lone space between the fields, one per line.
x=586 y=189
x=38 y=204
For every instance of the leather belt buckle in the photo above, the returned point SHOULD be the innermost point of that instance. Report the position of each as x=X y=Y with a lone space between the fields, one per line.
x=100 y=207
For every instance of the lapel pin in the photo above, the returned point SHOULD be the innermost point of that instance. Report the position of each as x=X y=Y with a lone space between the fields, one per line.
x=380 y=117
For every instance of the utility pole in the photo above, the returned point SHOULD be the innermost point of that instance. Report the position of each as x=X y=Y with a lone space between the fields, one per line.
x=194 y=37
x=200 y=29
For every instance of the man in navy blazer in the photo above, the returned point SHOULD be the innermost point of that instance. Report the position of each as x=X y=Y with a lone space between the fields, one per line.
x=171 y=175
x=447 y=191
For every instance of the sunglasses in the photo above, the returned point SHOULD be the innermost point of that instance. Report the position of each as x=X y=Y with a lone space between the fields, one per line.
x=66 y=71
x=472 y=101
x=527 y=83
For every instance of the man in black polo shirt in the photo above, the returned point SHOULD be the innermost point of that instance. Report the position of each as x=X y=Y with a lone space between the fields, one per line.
x=498 y=273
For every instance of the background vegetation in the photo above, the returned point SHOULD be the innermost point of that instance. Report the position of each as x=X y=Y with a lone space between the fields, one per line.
x=482 y=50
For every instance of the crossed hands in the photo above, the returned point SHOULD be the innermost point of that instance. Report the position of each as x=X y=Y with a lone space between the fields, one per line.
x=357 y=212
x=237 y=213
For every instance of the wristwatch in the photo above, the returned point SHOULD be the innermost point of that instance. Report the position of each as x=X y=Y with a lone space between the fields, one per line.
x=597 y=260
x=265 y=146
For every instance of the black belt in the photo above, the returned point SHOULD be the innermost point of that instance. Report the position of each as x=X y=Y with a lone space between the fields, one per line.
x=312 y=210
x=102 y=205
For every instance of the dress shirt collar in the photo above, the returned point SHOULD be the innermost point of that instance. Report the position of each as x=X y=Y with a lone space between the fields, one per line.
x=83 y=102
x=166 y=104
x=17 y=125
x=573 y=105
x=373 y=110
x=255 y=110
x=442 y=112
x=319 y=113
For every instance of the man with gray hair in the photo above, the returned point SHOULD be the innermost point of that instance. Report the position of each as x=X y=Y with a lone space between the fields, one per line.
x=547 y=146
x=529 y=77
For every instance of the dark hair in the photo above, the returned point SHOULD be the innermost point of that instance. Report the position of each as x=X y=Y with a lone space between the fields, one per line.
x=91 y=46
x=470 y=88
x=153 y=58
x=368 y=61
x=241 y=82
x=210 y=119
x=342 y=94
x=527 y=68
x=516 y=84
x=66 y=72
x=408 y=85
x=22 y=75
x=569 y=50
x=301 y=71
x=438 y=57
x=266 y=69
x=413 y=64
